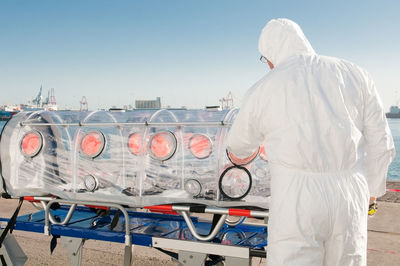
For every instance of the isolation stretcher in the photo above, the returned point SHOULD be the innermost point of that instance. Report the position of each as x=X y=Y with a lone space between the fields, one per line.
x=168 y=161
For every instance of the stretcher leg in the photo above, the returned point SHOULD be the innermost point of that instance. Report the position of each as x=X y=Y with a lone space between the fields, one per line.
x=128 y=255
x=232 y=261
x=74 y=249
x=10 y=251
x=191 y=258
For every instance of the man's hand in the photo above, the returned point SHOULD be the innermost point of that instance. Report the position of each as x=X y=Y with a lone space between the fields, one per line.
x=372 y=200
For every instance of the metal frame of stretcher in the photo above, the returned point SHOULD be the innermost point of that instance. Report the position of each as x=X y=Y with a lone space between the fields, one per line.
x=75 y=224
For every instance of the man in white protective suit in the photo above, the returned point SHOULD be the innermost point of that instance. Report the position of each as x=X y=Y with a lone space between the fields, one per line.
x=328 y=144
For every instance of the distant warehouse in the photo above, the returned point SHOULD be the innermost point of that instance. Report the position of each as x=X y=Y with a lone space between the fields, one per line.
x=148 y=104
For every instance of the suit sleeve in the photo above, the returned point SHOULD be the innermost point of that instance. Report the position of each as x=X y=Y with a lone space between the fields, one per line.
x=245 y=135
x=380 y=149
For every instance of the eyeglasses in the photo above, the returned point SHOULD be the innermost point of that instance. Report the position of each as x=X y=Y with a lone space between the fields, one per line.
x=263 y=59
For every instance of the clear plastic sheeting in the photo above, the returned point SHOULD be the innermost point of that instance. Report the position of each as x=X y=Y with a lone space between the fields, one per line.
x=136 y=158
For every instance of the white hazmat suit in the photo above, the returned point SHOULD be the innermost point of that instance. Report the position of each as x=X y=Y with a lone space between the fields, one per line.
x=328 y=144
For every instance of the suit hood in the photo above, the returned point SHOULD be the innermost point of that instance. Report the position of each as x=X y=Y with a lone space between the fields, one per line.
x=282 y=38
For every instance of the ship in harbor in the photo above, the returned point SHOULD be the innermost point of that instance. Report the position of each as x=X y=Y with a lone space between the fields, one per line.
x=4 y=115
x=394 y=112
x=38 y=103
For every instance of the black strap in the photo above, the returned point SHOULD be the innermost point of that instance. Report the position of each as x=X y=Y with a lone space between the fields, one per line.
x=114 y=221
x=11 y=222
x=3 y=260
x=4 y=188
x=55 y=206
x=198 y=208
x=53 y=243
x=215 y=220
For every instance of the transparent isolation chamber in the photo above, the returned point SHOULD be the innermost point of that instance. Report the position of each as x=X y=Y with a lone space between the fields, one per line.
x=136 y=158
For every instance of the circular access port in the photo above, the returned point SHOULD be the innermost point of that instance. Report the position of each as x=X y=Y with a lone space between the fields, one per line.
x=235 y=182
x=162 y=145
x=193 y=187
x=31 y=144
x=200 y=146
x=92 y=144
x=135 y=143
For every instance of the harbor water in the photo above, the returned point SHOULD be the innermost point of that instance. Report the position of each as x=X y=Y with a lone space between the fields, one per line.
x=394 y=169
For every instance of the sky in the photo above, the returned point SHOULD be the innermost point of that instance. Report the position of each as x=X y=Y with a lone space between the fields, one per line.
x=189 y=53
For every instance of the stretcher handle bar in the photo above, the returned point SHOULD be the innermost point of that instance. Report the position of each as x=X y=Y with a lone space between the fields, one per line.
x=152 y=124
x=34 y=198
x=66 y=219
x=238 y=212
x=43 y=201
x=50 y=216
x=128 y=241
x=192 y=228
x=211 y=210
